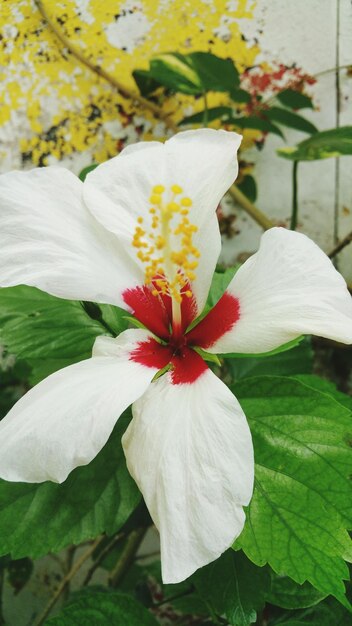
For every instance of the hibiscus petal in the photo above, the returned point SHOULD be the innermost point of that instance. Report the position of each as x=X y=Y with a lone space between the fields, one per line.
x=48 y=239
x=189 y=449
x=288 y=288
x=202 y=162
x=66 y=419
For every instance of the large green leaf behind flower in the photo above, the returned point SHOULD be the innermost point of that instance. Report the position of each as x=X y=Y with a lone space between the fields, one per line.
x=302 y=502
x=50 y=333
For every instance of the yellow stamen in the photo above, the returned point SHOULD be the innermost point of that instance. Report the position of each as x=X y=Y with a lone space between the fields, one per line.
x=171 y=271
x=158 y=189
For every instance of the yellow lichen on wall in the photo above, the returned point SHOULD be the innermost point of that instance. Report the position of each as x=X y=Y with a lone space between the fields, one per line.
x=53 y=107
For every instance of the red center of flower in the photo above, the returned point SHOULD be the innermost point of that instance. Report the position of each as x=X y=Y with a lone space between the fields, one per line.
x=155 y=312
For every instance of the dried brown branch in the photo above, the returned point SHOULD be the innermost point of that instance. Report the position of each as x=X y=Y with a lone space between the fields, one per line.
x=126 y=92
x=66 y=580
x=100 y=558
x=263 y=220
x=340 y=246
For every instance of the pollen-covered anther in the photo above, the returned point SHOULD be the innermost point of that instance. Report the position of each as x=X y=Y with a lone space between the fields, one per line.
x=169 y=227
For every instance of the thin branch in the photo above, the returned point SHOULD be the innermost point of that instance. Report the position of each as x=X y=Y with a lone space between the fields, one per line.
x=126 y=92
x=334 y=69
x=177 y=596
x=65 y=581
x=263 y=220
x=340 y=246
x=100 y=558
x=70 y=555
x=127 y=557
x=294 y=214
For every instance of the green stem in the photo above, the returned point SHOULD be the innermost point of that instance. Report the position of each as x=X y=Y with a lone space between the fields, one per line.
x=294 y=214
x=205 y=112
x=127 y=557
x=2 y=619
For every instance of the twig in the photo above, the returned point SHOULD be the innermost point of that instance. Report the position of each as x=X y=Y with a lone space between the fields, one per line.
x=70 y=555
x=126 y=92
x=177 y=596
x=127 y=557
x=100 y=558
x=334 y=69
x=294 y=214
x=263 y=220
x=340 y=246
x=65 y=581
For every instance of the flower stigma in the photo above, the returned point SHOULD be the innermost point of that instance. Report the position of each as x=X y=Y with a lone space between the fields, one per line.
x=166 y=247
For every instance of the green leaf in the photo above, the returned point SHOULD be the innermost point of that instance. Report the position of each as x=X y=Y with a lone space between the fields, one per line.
x=325 y=386
x=213 y=114
x=13 y=382
x=47 y=332
x=322 y=145
x=220 y=281
x=287 y=594
x=194 y=73
x=292 y=120
x=216 y=74
x=83 y=174
x=295 y=357
x=234 y=587
x=145 y=82
x=326 y=613
x=240 y=96
x=248 y=186
x=294 y=99
x=302 y=500
x=96 y=608
x=174 y=71
x=111 y=317
x=257 y=123
x=99 y=497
